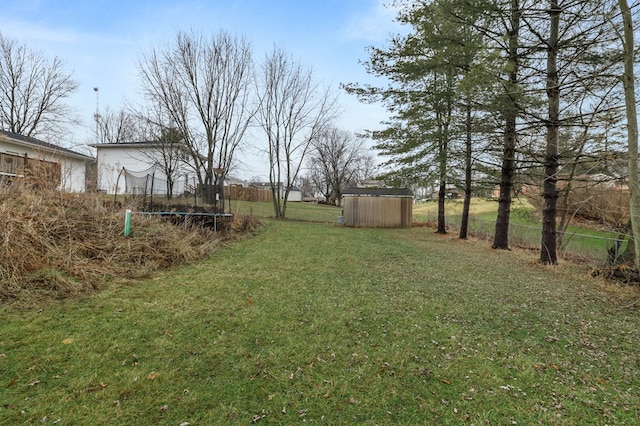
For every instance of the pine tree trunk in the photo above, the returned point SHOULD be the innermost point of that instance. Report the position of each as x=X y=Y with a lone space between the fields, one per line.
x=548 y=251
x=442 y=193
x=501 y=235
x=632 y=126
x=464 y=222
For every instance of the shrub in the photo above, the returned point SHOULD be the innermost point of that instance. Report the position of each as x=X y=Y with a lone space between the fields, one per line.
x=601 y=202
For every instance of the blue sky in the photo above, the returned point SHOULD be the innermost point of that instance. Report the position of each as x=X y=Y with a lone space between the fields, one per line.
x=100 y=41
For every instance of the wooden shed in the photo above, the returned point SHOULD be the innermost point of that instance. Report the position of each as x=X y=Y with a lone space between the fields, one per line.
x=377 y=207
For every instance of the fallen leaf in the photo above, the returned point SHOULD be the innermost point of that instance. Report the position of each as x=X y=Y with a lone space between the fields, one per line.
x=446 y=382
x=165 y=407
x=35 y=382
x=259 y=417
x=97 y=387
x=67 y=341
x=12 y=381
x=152 y=375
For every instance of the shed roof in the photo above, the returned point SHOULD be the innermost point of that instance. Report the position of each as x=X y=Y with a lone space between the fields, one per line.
x=378 y=192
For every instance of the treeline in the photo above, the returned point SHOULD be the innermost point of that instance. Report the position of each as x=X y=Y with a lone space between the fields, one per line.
x=510 y=93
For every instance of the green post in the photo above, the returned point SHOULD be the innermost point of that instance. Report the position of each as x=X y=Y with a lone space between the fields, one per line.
x=127 y=223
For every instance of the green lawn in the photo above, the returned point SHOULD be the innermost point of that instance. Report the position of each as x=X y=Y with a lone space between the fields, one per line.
x=312 y=322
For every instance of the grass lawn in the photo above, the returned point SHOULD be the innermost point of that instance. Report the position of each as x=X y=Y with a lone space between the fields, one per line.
x=521 y=210
x=318 y=323
x=295 y=211
x=525 y=226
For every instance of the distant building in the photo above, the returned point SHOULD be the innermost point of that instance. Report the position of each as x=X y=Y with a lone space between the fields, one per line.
x=295 y=193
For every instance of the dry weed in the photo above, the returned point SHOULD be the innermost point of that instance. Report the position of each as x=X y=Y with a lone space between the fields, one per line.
x=55 y=244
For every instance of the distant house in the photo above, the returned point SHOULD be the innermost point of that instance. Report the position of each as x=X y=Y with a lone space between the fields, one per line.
x=22 y=156
x=138 y=168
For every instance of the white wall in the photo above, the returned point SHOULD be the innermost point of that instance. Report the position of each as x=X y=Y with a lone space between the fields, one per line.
x=74 y=175
x=295 y=196
x=73 y=170
x=137 y=160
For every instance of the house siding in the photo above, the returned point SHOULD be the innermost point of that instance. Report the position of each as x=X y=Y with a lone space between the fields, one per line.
x=137 y=160
x=72 y=170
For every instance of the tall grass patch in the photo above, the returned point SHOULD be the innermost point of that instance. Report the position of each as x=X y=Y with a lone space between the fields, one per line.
x=55 y=244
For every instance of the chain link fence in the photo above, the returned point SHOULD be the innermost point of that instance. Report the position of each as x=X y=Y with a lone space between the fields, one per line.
x=575 y=245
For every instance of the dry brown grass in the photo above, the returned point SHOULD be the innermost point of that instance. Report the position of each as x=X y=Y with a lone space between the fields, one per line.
x=56 y=244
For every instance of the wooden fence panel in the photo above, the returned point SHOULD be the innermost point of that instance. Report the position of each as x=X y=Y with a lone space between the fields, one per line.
x=244 y=193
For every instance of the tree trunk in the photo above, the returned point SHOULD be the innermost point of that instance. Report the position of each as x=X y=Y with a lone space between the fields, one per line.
x=632 y=126
x=548 y=251
x=464 y=221
x=442 y=191
x=501 y=235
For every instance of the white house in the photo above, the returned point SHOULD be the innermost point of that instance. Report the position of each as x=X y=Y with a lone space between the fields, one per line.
x=65 y=167
x=140 y=167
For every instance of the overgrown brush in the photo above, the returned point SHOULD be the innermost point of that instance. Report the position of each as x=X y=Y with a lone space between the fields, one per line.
x=55 y=244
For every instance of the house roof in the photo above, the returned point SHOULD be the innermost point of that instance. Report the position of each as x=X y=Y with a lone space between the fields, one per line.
x=140 y=144
x=40 y=144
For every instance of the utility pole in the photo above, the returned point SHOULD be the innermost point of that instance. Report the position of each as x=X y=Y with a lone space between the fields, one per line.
x=96 y=115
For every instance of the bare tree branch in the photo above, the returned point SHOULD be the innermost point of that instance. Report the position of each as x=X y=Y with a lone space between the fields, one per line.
x=33 y=89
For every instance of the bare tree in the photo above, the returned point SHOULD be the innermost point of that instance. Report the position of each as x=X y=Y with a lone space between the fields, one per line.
x=338 y=159
x=203 y=86
x=117 y=127
x=293 y=109
x=33 y=89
